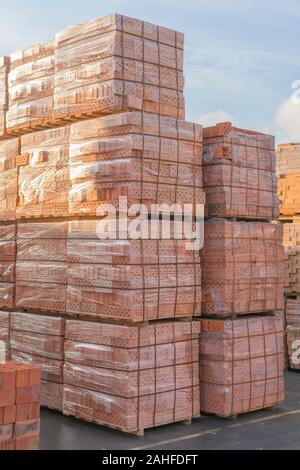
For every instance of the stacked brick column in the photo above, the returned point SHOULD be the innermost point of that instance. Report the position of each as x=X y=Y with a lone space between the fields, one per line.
x=241 y=344
x=288 y=171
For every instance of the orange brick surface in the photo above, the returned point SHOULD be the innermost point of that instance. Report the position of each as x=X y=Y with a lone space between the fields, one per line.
x=242 y=267
x=241 y=365
x=131 y=377
x=239 y=173
x=19 y=406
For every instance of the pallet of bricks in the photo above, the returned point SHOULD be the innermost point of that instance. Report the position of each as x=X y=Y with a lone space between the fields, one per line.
x=241 y=340
x=96 y=114
x=288 y=173
x=19 y=406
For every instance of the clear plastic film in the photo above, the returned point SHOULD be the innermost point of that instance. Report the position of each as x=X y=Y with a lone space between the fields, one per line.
x=241 y=358
x=132 y=277
x=134 y=305
x=137 y=123
x=240 y=191
x=7 y=295
x=27 y=429
x=288 y=194
x=4 y=319
x=140 y=146
x=44 y=181
x=43 y=191
x=127 y=252
x=4 y=333
x=41 y=108
x=42 y=230
x=33 y=323
x=7 y=248
x=293 y=338
x=31 y=54
x=147 y=357
x=44 y=296
x=51 y=369
x=127 y=46
x=136 y=170
x=86 y=196
x=41 y=272
x=52 y=395
x=243 y=268
x=131 y=414
x=7 y=271
x=109 y=68
x=31 y=90
x=116 y=95
x=127 y=336
x=132 y=384
x=39 y=344
x=117 y=22
x=239 y=173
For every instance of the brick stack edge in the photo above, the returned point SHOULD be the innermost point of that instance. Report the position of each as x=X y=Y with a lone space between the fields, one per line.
x=241 y=343
x=288 y=172
x=19 y=406
x=66 y=289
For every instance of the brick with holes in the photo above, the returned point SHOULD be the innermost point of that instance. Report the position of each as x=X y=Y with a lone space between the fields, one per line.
x=239 y=173
x=242 y=267
x=150 y=372
x=241 y=364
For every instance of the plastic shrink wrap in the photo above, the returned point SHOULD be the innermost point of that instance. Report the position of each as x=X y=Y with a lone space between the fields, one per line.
x=132 y=280
x=4 y=70
x=147 y=158
x=242 y=267
x=9 y=149
x=291 y=242
x=31 y=84
x=7 y=265
x=4 y=335
x=287 y=159
x=109 y=66
x=41 y=268
x=39 y=340
x=131 y=377
x=292 y=313
x=239 y=173
x=44 y=178
x=241 y=365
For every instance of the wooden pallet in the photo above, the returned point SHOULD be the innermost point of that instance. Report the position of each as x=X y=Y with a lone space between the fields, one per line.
x=139 y=432
x=57 y=120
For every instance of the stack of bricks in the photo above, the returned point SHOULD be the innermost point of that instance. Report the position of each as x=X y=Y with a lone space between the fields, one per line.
x=19 y=407
x=288 y=173
x=4 y=336
x=9 y=151
x=94 y=115
x=39 y=340
x=241 y=344
x=132 y=377
x=31 y=84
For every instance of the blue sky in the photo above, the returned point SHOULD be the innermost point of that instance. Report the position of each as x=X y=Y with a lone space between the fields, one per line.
x=241 y=58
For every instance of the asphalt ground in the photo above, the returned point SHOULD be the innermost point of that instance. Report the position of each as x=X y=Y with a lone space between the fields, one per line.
x=266 y=429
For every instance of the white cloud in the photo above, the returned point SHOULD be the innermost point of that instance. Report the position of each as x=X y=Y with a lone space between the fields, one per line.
x=288 y=118
x=210 y=119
